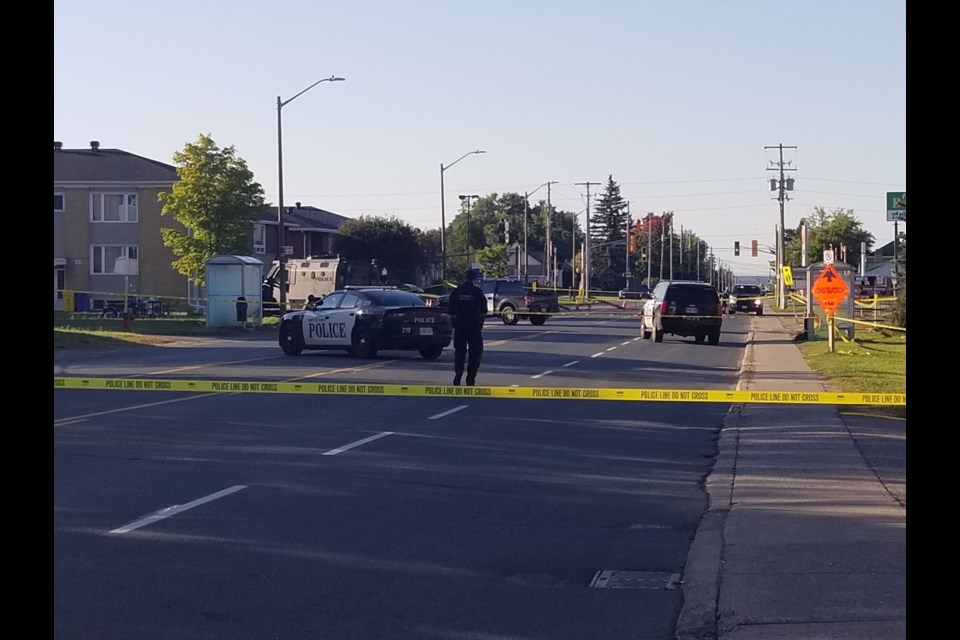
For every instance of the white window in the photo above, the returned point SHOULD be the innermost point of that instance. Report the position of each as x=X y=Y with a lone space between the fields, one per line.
x=57 y=202
x=113 y=207
x=115 y=259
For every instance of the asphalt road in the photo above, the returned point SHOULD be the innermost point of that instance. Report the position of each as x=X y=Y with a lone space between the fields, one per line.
x=233 y=516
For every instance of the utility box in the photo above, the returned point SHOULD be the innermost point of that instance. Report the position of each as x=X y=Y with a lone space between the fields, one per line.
x=845 y=312
x=233 y=285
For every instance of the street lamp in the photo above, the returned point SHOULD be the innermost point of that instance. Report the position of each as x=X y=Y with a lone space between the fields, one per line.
x=526 y=212
x=281 y=232
x=443 y=215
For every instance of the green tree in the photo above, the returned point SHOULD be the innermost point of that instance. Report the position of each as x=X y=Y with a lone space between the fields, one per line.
x=493 y=260
x=216 y=200
x=839 y=230
x=393 y=243
x=608 y=233
x=431 y=254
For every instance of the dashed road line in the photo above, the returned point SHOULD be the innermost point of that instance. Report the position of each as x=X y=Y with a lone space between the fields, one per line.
x=571 y=363
x=174 y=510
x=347 y=447
x=597 y=355
x=540 y=375
x=446 y=413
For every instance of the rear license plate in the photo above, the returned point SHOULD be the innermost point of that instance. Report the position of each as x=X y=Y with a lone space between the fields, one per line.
x=692 y=309
x=426 y=331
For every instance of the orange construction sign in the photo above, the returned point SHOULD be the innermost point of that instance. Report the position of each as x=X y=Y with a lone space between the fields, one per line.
x=830 y=290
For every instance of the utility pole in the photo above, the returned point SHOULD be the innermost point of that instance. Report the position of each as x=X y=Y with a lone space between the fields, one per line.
x=586 y=243
x=549 y=243
x=781 y=186
x=661 y=245
x=698 y=260
x=671 y=245
x=649 y=245
x=626 y=262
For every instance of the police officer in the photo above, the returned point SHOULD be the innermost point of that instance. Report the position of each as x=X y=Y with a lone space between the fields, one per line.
x=468 y=308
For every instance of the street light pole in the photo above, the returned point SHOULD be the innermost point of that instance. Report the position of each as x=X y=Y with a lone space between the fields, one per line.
x=281 y=231
x=443 y=215
x=526 y=213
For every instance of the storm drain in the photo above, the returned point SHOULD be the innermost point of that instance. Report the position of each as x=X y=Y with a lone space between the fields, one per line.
x=613 y=579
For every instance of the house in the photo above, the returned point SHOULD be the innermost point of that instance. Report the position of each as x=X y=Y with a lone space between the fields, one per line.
x=309 y=231
x=106 y=230
x=106 y=227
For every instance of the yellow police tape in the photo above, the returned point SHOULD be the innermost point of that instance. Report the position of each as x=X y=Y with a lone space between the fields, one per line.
x=440 y=391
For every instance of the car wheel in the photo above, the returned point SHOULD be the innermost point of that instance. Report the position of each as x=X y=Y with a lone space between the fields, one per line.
x=431 y=354
x=110 y=312
x=731 y=310
x=538 y=320
x=363 y=345
x=700 y=337
x=658 y=335
x=290 y=341
x=714 y=337
x=508 y=314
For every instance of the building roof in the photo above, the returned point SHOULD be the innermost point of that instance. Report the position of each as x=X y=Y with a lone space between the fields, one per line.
x=97 y=165
x=303 y=218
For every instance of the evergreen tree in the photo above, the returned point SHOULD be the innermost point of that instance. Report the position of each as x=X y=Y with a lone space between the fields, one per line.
x=608 y=233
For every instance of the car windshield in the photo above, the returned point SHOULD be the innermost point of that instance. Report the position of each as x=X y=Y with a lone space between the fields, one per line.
x=395 y=299
x=746 y=290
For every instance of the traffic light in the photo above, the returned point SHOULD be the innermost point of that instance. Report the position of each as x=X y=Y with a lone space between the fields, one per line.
x=736 y=247
x=501 y=232
x=753 y=248
x=632 y=242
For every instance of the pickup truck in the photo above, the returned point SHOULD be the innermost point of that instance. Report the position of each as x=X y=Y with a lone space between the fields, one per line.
x=511 y=300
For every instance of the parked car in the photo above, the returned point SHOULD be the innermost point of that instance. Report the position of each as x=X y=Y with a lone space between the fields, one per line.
x=683 y=308
x=512 y=301
x=746 y=297
x=636 y=292
x=363 y=320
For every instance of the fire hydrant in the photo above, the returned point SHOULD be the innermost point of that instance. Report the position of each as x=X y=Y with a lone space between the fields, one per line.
x=127 y=319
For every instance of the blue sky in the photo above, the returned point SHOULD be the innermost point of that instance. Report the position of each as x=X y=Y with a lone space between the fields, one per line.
x=675 y=100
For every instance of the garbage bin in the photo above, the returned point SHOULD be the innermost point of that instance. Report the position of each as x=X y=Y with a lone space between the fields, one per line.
x=242 y=306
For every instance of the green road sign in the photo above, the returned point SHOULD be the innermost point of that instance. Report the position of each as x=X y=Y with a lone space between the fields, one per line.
x=896 y=206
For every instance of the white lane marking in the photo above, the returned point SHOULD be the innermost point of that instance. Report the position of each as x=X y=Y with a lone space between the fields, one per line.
x=570 y=364
x=625 y=343
x=514 y=386
x=333 y=452
x=177 y=508
x=597 y=355
x=446 y=413
x=540 y=375
x=610 y=348
x=637 y=338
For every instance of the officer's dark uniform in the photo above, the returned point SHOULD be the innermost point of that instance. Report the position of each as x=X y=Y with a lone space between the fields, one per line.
x=468 y=308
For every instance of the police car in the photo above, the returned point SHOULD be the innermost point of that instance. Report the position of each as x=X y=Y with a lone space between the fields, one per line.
x=364 y=320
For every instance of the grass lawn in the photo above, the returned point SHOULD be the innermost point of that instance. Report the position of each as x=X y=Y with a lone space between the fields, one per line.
x=86 y=331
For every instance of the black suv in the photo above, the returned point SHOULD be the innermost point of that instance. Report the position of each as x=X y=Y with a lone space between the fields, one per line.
x=746 y=297
x=683 y=308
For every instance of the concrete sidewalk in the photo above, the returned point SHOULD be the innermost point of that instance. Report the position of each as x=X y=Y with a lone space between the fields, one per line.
x=802 y=539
